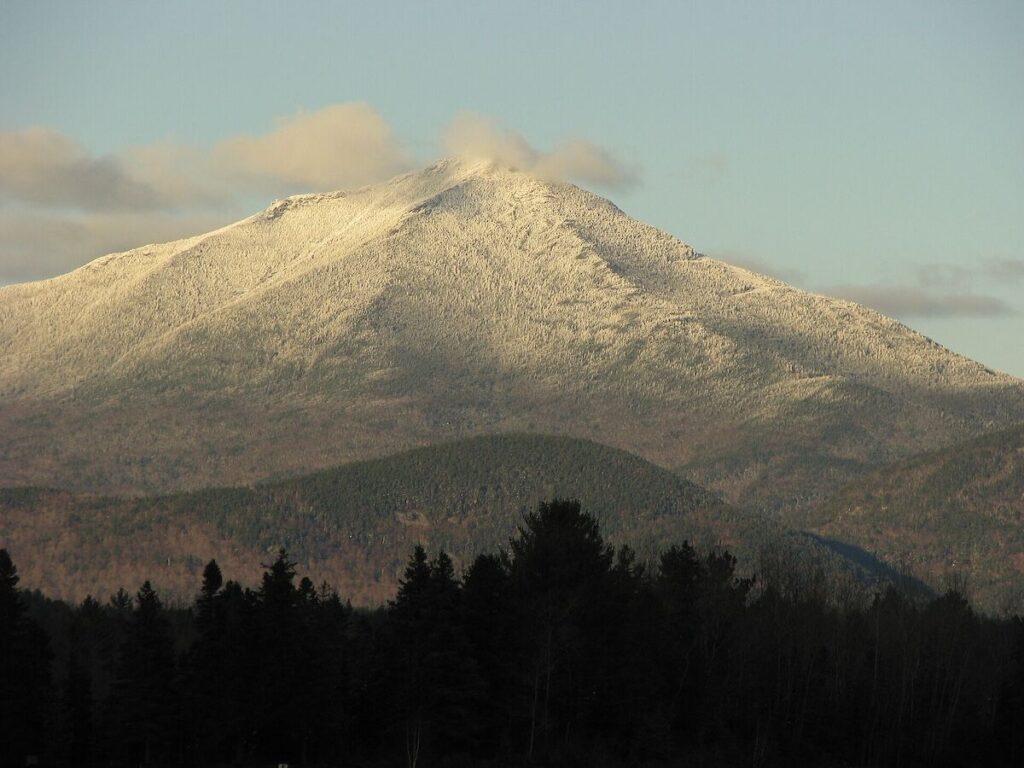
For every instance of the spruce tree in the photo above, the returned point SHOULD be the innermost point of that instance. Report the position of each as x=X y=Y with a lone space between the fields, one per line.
x=560 y=575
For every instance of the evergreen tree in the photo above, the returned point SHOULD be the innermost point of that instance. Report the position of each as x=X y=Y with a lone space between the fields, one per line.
x=78 y=702
x=560 y=572
x=438 y=685
x=409 y=617
x=328 y=722
x=284 y=667
x=24 y=673
x=142 y=707
x=207 y=683
x=491 y=631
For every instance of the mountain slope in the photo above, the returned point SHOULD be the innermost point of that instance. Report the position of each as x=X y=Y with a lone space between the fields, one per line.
x=464 y=299
x=355 y=525
x=955 y=512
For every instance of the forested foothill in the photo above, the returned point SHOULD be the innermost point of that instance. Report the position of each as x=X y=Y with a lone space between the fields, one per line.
x=355 y=524
x=559 y=650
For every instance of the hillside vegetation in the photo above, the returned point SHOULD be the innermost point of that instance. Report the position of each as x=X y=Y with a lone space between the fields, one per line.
x=354 y=525
x=560 y=651
x=950 y=514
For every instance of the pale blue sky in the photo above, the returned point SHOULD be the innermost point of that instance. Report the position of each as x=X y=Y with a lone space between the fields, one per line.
x=870 y=149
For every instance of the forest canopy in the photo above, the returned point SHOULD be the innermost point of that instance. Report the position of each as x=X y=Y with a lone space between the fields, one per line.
x=557 y=650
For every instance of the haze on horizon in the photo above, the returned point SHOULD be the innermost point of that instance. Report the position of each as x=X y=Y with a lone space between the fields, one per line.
x=868 y=152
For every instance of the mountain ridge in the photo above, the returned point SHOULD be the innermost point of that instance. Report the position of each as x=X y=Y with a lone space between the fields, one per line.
x=355 y=524
x=463 y=299
x=951 y=512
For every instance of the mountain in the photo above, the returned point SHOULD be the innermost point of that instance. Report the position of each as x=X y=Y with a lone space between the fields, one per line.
x=465 y=299
x=355 y=525
x=954 y=513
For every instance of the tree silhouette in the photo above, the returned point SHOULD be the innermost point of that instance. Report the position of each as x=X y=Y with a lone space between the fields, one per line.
x=560 y=652
x=282 y=654
x=78 y=702
x=437 y=685
x=24 y=673
x=142 y=701
x=560 y=570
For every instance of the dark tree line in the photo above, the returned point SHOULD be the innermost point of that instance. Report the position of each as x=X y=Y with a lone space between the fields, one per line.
x=560 y=651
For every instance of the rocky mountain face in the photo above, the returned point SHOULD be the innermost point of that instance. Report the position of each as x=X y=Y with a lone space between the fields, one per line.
x=465 y=299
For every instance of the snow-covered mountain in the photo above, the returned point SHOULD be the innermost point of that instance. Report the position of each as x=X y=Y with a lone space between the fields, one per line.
x=459 y=300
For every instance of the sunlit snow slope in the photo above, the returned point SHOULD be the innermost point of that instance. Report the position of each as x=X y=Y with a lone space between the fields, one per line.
x=462 y=299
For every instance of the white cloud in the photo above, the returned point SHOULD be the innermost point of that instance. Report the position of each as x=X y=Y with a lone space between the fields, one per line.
x=41 y=167
x=65 y=206
x=61 y=206
x=474 y=136
x=959 y=275
x=339 y=147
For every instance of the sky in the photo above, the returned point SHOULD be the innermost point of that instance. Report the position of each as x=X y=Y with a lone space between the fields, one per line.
x=870 y=150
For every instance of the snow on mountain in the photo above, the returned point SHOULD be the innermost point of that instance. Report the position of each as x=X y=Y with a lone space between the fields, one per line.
x=463 y=299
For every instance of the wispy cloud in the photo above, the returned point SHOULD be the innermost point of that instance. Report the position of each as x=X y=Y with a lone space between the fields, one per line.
x=34 y=245
x=943 y=274
x=1007 y=269
x=474 y=136
x=339 y=147
x=61 y=206
x=41 y=167
x=907 y=302
x=708 y=169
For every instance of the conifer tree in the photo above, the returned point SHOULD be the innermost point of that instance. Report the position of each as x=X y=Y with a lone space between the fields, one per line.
x=438 y=683
x=328 y=721
x=77 y=706
x=24 y=673
x=560 y=571
x=142 y=702
x=207 y=684
x=491 y=631
x=283 y=662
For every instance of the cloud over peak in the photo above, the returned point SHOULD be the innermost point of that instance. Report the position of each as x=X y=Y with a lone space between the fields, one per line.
x=61 y=206
x=476 y=137
x=338 y=147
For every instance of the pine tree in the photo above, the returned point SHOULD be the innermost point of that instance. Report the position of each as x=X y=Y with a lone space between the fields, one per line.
x=328 y=723
x=408 y=619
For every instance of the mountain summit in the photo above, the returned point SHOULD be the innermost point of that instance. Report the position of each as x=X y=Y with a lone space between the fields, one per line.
x=463 y=299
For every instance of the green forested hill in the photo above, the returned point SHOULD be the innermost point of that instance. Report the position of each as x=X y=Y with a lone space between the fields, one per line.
x=354 y=525
x=957 y=513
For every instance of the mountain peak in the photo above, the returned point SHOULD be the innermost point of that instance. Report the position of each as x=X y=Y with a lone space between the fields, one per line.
x=465 y=298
